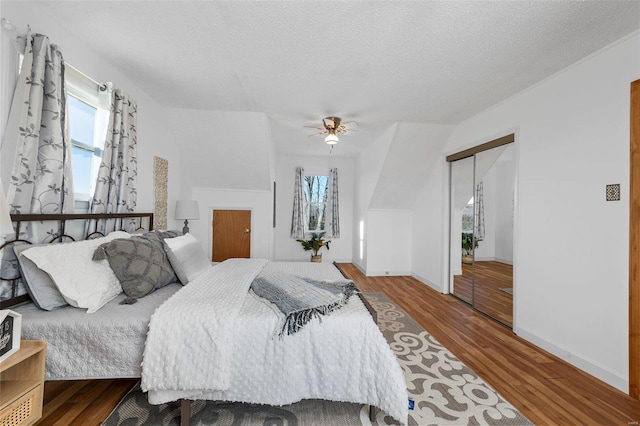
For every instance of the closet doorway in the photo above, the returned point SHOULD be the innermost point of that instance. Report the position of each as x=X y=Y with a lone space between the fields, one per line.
x=482 y=206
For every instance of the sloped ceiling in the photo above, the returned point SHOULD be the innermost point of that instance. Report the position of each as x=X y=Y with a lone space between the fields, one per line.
x=414 y=150
x=224 y=149
x=374 y=62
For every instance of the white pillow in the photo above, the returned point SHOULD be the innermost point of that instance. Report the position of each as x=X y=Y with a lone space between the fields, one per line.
x=84 y=283
x=186 y=257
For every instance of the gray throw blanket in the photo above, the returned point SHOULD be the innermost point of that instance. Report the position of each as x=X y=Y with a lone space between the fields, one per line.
x=302 y=299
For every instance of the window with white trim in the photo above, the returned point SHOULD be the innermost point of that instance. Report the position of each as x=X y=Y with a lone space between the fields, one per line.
x=315 y=202
x=86 y=133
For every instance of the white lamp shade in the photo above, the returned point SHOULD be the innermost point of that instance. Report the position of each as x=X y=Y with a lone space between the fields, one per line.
x=331 y=139
x=187 y=209
x=6 y=227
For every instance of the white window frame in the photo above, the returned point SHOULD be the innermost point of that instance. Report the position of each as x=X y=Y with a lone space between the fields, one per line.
x=84 y=89
x=307 y=203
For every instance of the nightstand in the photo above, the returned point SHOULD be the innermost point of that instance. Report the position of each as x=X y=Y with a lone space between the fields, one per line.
x=22 y=384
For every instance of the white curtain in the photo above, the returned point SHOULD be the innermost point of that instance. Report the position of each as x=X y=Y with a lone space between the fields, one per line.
x=479 y=212
x=116 y=185
x=37 y=138
x=297 y=217
x=333 y=225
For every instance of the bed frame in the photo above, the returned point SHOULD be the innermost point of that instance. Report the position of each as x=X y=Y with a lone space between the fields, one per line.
x=91 y=231
x=90 y=223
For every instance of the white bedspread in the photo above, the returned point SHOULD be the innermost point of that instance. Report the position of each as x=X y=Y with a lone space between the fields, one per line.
x=190 y=353
x=105 y=344
x=190 y=339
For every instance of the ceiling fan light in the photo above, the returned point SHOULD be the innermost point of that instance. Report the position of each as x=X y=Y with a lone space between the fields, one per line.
x=331 y=139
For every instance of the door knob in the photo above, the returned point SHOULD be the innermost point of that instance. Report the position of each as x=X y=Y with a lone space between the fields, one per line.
x=246 y=231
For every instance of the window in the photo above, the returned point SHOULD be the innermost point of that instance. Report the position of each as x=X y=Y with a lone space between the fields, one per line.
x=82 y=124
x=467 y=217
x=315 y=202
x=87 y=136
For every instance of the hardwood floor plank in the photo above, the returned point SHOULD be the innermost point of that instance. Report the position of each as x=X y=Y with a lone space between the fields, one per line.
x=98 y=409
x=83 y=402
x=58 y=393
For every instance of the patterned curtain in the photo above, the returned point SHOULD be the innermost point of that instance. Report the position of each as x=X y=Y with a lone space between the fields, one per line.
x=297 y=218
x=479 y=212
x=41 y=179
x=116 y=185
x=333 y=226
x=37 y=130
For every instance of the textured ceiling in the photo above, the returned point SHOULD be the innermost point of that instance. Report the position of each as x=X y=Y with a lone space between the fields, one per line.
x=374 y=62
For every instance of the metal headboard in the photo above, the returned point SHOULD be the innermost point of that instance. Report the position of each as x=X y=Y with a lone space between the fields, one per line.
x=90 y=227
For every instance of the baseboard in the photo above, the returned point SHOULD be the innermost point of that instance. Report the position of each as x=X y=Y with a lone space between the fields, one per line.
x=494 y=259
x=423 y=280
x=587 y=366
x=387 y=273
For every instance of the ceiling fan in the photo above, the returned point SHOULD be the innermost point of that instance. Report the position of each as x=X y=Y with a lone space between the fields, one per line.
x=332 y=127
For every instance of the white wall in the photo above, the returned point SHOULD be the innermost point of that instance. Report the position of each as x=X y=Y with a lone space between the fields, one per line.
x=571 y=253
x=391 y=174
x=224 y=149
x=389 y=242
x=286 y=248
x=258 y=202
x=154 y=136
x=368 y=166
x=430 y=228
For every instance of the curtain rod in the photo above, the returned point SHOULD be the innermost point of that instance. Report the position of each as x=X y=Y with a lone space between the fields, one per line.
x=10 y=26
x=101 y=86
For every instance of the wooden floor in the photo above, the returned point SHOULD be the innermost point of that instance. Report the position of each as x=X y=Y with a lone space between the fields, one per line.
x=480 y=285
x=545 y=389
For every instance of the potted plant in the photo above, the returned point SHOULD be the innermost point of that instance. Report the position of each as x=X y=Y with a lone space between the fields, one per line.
x=468 y=244
x=315 y=243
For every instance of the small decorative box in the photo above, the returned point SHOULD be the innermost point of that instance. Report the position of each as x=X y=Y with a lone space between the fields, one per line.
x=10 y=323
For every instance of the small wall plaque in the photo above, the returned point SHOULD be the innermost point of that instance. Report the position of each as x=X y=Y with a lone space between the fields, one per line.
x=613 y=192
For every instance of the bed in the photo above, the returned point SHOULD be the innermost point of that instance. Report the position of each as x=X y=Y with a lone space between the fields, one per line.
x=181 y=355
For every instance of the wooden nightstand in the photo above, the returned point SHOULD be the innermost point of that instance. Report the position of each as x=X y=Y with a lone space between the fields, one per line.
x=22 y=384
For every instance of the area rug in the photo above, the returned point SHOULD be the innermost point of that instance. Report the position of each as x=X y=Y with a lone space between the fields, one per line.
x=134 y=410
x=506 y=289
x=442 y=391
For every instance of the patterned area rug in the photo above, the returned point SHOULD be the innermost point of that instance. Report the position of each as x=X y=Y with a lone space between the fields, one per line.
x=134 y=410
x=442 y=391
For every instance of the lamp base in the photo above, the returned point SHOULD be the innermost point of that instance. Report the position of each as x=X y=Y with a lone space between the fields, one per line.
x=185 y=230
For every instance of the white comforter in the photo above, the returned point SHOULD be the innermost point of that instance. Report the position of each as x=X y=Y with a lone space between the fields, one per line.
x=215 y=340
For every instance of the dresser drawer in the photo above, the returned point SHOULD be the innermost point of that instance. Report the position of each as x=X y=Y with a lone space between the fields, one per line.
x=25 y=410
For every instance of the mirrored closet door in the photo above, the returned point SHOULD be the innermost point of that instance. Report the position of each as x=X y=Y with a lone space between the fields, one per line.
x=482 y=184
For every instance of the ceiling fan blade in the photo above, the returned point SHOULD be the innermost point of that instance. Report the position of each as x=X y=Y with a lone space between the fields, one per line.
x=320 y=133
x=350 y=124
x=314 y=127
x=343 y=131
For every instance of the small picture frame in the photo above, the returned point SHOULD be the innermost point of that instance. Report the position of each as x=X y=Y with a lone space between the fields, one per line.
x=10 y=328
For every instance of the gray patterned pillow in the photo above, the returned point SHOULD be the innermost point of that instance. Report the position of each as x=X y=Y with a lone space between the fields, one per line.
x=139 y=262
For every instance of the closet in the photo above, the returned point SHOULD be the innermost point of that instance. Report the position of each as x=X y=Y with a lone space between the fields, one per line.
x=482 y=207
